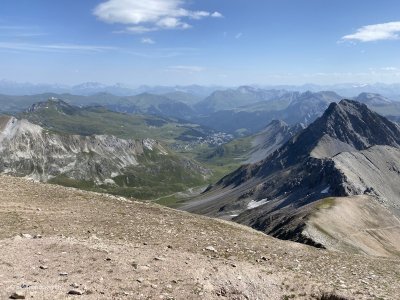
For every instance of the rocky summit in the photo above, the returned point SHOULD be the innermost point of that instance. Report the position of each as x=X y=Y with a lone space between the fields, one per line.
x=348 y=151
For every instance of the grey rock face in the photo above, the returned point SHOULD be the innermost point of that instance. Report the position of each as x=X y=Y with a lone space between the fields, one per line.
x=271 y=138
x=375 y=171
x=29 y=150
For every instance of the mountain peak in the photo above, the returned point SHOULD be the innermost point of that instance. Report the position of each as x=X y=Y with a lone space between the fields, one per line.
x=373 y=99
x=54 y=104
x=348 y=123
x=352 y=104
x=344 y=106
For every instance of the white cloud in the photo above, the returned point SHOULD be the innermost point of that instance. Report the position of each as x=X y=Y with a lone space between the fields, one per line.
x=377 y=32
x=188 y=69
x=147 y=41
x=216 y=15
x=137 y=29
x=239 y=35
x=149 y=15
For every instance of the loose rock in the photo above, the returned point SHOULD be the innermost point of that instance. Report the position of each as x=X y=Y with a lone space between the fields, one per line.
x=26 y=236
x=17 y=295
x=211 y=248
x=75 y=292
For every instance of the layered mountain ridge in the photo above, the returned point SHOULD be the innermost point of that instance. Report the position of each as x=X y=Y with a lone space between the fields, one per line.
x=29 y=150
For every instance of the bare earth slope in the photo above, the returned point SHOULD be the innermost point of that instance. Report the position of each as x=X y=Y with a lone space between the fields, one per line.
x=111 y=248
x=375 y=170
x=355 y=224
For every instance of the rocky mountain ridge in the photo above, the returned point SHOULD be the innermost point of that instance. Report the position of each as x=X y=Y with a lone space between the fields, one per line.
x=27 y=149
x=270 y=194
x=95 y=162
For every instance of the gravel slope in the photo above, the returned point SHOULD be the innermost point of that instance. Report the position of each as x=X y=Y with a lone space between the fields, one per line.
x=356 y=224
x=111 y=248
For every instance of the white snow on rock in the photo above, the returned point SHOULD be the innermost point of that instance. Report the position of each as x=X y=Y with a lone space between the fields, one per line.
x=149 y=144
x=253 y=204
x=326 y=191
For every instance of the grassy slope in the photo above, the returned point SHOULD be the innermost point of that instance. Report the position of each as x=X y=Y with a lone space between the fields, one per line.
x=102 y=121
x=223 y=159
x=156 y=176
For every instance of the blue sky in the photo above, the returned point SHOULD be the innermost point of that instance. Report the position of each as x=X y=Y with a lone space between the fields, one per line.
x=221 y=42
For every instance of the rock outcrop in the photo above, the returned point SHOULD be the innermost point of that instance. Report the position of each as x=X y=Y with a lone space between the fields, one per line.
x=29 y=150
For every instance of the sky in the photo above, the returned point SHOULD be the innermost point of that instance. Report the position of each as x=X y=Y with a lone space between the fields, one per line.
x=207 y=42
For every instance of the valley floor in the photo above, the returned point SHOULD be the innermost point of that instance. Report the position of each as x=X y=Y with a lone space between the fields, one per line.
x=54 y=240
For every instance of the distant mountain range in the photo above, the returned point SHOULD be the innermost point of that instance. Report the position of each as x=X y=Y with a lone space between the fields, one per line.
x=348 y=90
x=90 y=88
x=242 y=111
x=233 y=98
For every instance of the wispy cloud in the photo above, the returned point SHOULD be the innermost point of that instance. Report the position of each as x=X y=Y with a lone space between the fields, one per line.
x=20 y=31
x=187 y=69
x=376 y=32
x=143 y=16
x=238 y=35
x=148 y=41
x=53 y=47
x=88 y=49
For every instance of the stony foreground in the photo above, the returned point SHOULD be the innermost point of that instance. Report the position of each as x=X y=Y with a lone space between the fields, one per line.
x=60 y=243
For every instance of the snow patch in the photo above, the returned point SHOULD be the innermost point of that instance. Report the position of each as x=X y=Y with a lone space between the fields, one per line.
x=149 y=144
x=326 y=191
x=253 y=204
x=109 y=181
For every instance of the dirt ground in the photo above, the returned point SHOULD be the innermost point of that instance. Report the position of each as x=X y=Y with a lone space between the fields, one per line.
x=56 y=240
x=357 y=224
